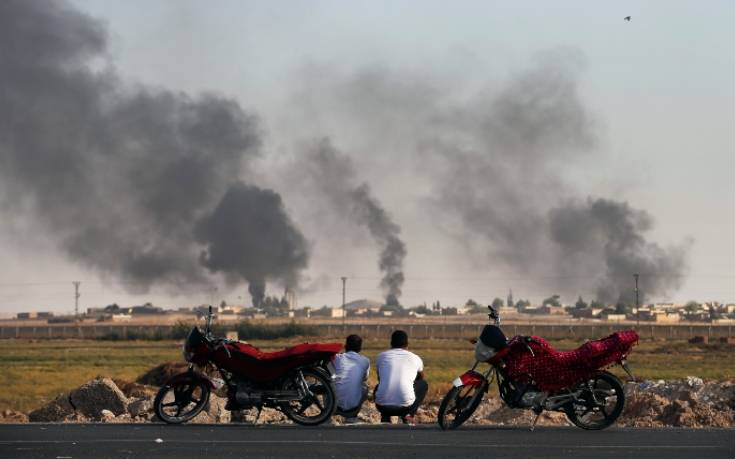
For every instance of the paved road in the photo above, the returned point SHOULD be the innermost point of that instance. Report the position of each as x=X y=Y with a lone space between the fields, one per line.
x=61 y=441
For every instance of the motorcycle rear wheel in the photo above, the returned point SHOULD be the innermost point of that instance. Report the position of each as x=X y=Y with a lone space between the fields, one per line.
x=318 y=405
x=180 y=401
x=601 y=402
x=459 y=404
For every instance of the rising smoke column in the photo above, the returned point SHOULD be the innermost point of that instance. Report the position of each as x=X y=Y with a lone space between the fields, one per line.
x=613 y=232
x=335 y=175
x=118 y=174
x=233 y=235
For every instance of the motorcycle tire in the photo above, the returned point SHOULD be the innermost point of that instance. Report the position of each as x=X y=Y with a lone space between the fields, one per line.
x=603 y=384
x=190 y=396
x=467 y=401
x=323 y=396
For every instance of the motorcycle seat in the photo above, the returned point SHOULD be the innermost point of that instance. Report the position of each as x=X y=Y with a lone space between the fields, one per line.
x=589 y=353
x=248 y=350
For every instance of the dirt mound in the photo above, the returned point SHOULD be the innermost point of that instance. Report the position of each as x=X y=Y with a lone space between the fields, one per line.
x=688 y=402
x=59 y=409
x=158 y=375
x=12 y=416
x=91 y=398
x=134 y=389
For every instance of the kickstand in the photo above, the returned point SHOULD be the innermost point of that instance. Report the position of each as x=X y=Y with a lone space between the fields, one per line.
x=257 y=416
x=535 y=420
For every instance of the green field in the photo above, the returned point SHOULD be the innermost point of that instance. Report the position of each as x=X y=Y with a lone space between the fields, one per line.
x=36 y=371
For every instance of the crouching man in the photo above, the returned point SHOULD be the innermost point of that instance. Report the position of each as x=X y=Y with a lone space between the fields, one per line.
x=401 y=385
x=351 y=382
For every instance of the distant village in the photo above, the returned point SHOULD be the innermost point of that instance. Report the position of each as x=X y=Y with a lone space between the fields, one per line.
x=273 y=307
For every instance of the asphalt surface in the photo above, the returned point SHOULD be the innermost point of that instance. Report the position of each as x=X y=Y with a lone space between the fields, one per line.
x=64 y=441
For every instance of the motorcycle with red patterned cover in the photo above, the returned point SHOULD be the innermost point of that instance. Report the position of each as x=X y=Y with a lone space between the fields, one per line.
x=299 y=381
x=531 y=374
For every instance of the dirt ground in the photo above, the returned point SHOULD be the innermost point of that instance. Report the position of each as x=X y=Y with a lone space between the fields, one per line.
x=688 y=402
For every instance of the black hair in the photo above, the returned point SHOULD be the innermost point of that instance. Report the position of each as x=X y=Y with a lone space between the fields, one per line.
x=399 y=338
x=353 y=343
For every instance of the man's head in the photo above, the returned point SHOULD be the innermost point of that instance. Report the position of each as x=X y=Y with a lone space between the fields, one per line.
x=399 y=338
x=353 y=343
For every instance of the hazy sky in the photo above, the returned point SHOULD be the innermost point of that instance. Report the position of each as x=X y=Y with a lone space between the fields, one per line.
x=660 y=89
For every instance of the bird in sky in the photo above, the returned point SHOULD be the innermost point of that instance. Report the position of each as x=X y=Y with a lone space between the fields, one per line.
x=626 y=18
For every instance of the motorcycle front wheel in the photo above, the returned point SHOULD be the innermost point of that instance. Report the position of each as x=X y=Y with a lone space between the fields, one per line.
x=179 y=401
x=600 y=403
x=459 y=404
x=318 y=403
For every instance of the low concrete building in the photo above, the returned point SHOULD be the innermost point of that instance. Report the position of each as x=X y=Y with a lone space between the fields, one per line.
x=120 y=317
x=664 y=318
x=614 y=317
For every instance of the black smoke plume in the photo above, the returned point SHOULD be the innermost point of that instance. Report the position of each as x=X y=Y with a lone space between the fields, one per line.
x=507 y=184
x=335 y=175
x=235 y=244
x=121 y=174
x=611 y=234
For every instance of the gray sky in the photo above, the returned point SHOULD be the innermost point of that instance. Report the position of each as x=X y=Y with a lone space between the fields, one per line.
x=660 y=88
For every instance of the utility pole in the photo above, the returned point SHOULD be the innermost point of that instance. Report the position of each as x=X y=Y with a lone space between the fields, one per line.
x=637 y=304
x=76 y=307
x=76 y=299
x=344 y=301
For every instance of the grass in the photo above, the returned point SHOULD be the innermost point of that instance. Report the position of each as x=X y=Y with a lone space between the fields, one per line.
x=36 y=371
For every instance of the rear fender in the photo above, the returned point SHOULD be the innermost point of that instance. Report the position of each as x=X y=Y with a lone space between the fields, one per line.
x=190 y=376
x=470 y=378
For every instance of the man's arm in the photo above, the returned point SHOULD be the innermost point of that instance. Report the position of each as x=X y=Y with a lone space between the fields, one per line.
x=420 y=373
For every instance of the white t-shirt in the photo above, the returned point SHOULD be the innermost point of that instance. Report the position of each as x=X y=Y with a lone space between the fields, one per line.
x=397 y=370
x=352 y=370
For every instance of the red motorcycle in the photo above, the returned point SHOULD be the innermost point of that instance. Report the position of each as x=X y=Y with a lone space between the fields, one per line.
x=299 y=381
x=531 y=374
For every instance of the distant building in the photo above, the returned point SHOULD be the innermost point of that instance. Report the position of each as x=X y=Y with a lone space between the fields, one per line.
x=666 y=318
x=34 y=315
x=290 y=296
x=304 y=312
x=147 y=308
x=326 y=311
x=586 y=313
x=120 y=317
x=613 y=317
x=362 y=307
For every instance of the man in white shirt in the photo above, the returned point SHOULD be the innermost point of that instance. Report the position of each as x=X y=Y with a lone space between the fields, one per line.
x=401 y=384
x=351 y=381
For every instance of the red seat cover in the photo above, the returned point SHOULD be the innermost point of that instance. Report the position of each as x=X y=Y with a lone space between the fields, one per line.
x=552 y=370
x=299 y=349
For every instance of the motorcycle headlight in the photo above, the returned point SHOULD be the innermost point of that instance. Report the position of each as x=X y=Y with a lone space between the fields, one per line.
x=483 y=353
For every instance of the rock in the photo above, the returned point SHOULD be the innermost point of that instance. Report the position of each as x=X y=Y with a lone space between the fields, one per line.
x=214 y=412
x=97 y=395
x=12 y=416
x=140 y=407
x=134 y=389
x=693 y=381
x=158 y=375
x=58 y=410
x=267 y=416
x=106 y=415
